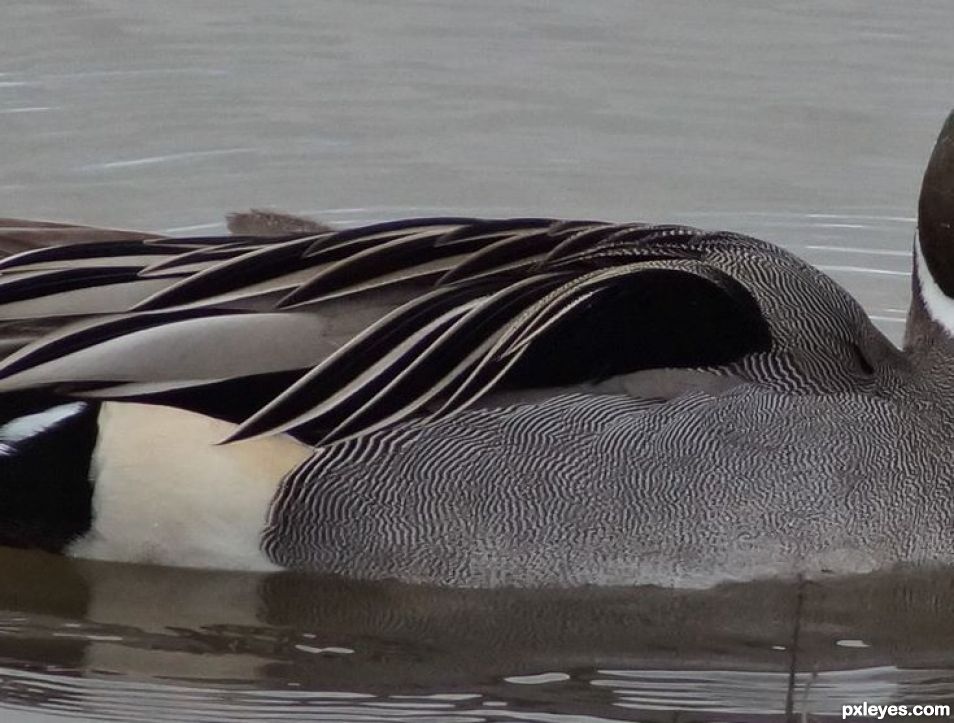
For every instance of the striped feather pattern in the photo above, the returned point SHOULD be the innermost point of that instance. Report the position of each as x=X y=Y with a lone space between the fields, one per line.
x=606 y=489
x=445 y=311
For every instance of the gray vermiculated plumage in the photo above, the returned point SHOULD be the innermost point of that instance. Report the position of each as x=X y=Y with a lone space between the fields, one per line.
x=611 y=490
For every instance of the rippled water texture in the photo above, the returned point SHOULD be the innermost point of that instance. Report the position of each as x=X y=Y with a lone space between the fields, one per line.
x=140 y=643
x=803 y=123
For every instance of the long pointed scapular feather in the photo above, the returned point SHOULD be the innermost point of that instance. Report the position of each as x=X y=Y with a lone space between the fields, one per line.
x=347 y=332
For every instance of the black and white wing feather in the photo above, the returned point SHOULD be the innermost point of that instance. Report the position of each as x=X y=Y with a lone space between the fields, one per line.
x=330 y=335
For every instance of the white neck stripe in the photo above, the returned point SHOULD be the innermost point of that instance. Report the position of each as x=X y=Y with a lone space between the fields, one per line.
x=939 y=305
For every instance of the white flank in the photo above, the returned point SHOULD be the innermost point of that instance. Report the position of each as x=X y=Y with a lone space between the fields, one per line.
x=22 y=428
x=939 y=306
x=165 y=493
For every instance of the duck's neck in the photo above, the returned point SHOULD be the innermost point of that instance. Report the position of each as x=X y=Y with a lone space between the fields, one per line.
x=929 y=336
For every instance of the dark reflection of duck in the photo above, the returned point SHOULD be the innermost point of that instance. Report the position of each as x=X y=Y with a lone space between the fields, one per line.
x=478 y=403
x=389 y=639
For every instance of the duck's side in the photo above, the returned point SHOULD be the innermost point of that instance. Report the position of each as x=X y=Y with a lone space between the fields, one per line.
x=519 y=401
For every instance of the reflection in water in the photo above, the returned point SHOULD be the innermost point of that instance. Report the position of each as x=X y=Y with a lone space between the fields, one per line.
x=104 y=639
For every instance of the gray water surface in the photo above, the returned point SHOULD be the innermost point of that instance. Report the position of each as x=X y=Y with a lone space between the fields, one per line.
x=806 y=124
x=107 y=640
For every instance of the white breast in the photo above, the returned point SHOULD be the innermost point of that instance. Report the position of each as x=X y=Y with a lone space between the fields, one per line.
x=165 y=493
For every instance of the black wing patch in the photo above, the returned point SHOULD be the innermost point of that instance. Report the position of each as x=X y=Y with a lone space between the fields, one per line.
x=664 y=318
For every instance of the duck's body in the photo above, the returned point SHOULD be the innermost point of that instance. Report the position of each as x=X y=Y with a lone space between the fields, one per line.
x=477 y=403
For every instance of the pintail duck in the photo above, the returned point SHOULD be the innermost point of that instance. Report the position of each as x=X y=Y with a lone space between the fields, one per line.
x=477 y=402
